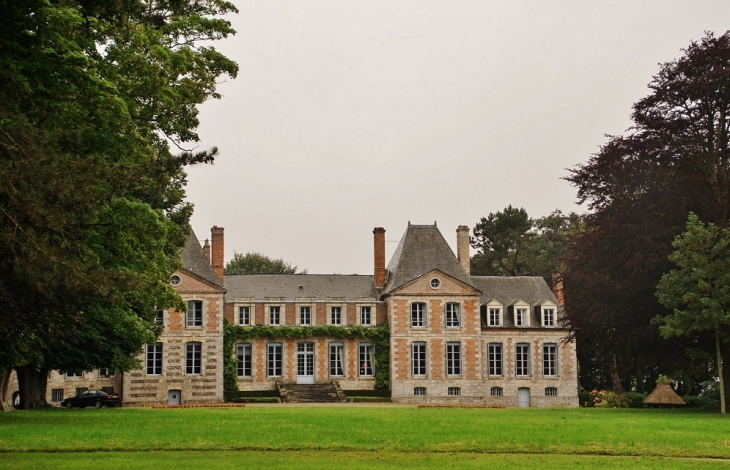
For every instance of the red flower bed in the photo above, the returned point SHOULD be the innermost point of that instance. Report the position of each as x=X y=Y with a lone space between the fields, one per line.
x=460 y=406
x=203 y=405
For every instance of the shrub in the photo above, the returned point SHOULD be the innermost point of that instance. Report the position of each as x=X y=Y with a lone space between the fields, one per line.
x=367 y=393
x=584 y=398
x=703 y=403
x=608 y=399
x=635 y=399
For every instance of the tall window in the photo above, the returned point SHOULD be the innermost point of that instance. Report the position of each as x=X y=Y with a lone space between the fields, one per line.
x=305 y=315
x=337 y=355
x=418 y=314
x=550 y=359
x=366 y=316
x=274 y=315
x=548 y=317
x=195 y=313
x=335 y=315
x=453 y=315
x=193 y=357
x=153 y=359
x=57 y=394
x=160 y=317
x=520 y=317
x=244 y=315
x=366 y=359
x=522 y=360
x=495 y=316
x=453 y=358
x=418 y=358
x=495 y=358
x=243 y=360
x=274 y=354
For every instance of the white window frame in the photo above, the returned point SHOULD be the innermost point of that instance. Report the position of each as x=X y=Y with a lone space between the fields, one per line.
x=522 y=360
x=419 y=391
x=244 y=370
x=495 y=358
x=193 y=358
x=521 y=306
x=75 y=374
x=496 y=392
x=274 y=365
x=365 y=359
x=331 y=316
x=270 y=313
x=193 y=316
x=301 y=315
x=244 y=315
x=499 y=310
x=109 y=373
x=362 y=315
x=419 y=359
x=160 y=317
x=550 y=362
x=552 y=322
x=418 y=317
x=335 y=355
x=153 y=358
x=454 y=359
x=456 y=306
x=56 y=395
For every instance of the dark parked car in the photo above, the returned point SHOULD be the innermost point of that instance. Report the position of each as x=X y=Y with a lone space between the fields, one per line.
x=95 y=398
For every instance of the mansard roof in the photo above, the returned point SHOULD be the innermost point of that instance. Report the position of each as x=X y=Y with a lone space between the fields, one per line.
x=286 y=287
x=509 y=289
x=422 y=249
x=194 y=261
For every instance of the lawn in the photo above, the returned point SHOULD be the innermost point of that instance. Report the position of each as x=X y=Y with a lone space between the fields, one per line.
x=363 y=437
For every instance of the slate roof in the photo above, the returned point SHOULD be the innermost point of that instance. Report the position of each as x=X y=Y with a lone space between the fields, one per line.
x=509 y=289
x=422 y=249
x=286 y=286
x=194 y=260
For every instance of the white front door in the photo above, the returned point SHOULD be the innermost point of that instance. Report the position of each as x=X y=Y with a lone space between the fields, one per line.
x=305 y=363
x=523 y=397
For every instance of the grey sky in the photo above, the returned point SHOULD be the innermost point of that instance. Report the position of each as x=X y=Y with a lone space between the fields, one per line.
x=349 y=115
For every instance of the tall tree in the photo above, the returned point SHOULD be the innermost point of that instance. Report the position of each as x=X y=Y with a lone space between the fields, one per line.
x=698 y=289
x=511 y=243
x=640 y=189
x=257 y=263
x=92 y=210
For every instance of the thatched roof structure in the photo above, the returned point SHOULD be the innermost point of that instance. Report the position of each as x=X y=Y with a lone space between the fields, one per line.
x=664 y=395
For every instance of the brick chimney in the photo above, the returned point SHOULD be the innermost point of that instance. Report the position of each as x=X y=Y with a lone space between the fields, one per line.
x=558 y=288
x=206 y=250
x=216 y=239
x=379 y=251
x=462 y=247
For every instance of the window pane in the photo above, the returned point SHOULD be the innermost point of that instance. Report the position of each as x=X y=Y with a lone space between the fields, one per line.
x=336 y=315
x=418 y=355
x=243 y=360
x=550 y=359
x=273 y=360
x=337 y=353
x=305 y=315
x=453 y=358
x=453 y=315
x=522 y=360
x=365 y=316
x=244 y=315
x=193 y=358
x=195 y=313
x=366 y=359
x=495 y=359
x=418 y=314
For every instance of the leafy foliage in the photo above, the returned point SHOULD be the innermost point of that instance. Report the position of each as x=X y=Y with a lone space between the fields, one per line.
x=698 y=289
x=379 y=336
x=257 y=263
x=641 y=187
x=92 y=210
x=511 y=243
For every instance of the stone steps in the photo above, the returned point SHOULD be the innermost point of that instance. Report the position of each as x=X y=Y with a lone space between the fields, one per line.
x=311 y=393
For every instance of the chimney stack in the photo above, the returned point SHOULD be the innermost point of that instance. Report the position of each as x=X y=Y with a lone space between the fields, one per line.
x=558 y=288
x=216 y=239
x=462 y=247
x=379 y=251
x=206 y=250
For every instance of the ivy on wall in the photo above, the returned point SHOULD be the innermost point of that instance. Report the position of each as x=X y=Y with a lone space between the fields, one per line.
x=378 y=336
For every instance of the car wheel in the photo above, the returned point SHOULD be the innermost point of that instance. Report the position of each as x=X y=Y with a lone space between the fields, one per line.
x=98 y=405
x=69 y=405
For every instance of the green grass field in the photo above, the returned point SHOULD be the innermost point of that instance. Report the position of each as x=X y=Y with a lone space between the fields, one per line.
x=363 y=437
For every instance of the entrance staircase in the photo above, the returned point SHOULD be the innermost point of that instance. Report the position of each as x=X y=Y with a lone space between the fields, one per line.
x=328 y=392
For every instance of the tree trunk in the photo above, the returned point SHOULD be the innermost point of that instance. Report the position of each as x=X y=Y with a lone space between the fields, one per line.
x=719 y=368
x=4 y=385
x=725 y=375
x=615 y=381
x=29 y=382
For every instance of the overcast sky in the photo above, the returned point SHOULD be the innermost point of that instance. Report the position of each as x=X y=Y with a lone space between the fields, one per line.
x=350 y=115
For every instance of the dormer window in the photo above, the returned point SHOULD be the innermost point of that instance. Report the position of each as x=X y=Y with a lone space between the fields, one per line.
x=548 y=317
x=520 y=311
x=495 y=316
x=520 y=316
x=547 y=312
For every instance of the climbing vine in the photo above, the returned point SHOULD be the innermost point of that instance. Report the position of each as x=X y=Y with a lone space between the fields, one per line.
x=378 y=336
